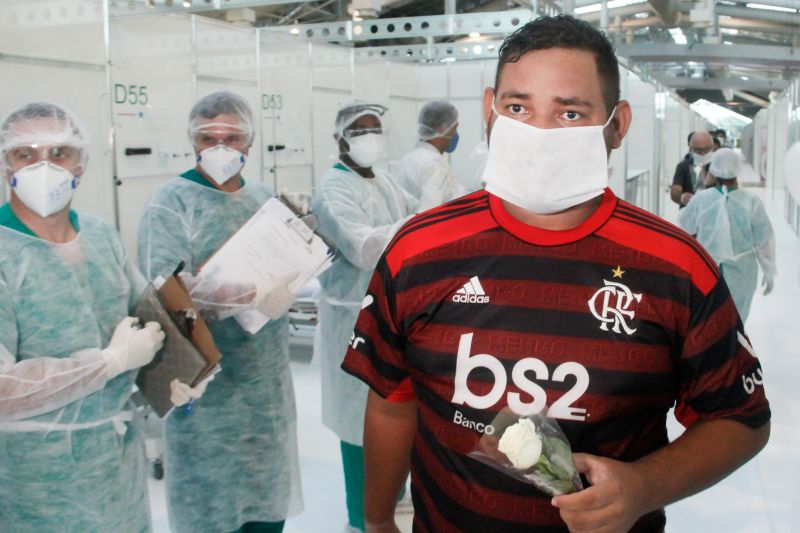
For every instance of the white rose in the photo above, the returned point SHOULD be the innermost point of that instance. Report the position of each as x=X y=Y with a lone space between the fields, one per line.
x=521 y=444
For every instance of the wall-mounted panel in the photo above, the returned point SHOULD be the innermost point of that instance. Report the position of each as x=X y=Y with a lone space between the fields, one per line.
x=225 y=51
x=152 y=93
x=466 y=79
x=331 y=66
x=69 y=30
x=402 y=80
x=431 y=81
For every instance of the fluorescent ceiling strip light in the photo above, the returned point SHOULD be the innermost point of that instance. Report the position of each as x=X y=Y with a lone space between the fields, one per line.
x=772 y=8
x=593 y=8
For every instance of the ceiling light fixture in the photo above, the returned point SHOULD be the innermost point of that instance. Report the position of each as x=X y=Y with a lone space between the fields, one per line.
x=772 y=8
x=677 y=35
x=593 y=8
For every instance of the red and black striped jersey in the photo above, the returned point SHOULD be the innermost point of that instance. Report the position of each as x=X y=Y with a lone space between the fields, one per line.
x=609 y=325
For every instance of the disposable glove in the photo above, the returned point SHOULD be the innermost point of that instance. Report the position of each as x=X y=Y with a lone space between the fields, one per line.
x=180 y=393
x=276 y=299
x=768 y=282
x=132 y=346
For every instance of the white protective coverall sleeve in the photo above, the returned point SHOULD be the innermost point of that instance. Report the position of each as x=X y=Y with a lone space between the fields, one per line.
x=347 y=223
x=437 y=187
x=39 y=385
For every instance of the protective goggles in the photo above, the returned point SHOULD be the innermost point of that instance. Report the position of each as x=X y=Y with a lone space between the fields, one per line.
x=211 y=135
x=357 y=132
x=64 y=155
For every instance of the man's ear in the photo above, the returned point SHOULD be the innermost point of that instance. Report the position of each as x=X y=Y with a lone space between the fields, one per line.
x=488 y=98
x=619 y=125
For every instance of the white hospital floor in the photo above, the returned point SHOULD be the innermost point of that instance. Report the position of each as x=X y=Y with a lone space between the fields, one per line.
x=761 y=497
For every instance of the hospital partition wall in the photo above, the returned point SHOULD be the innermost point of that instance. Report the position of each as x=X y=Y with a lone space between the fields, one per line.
x=132 y=77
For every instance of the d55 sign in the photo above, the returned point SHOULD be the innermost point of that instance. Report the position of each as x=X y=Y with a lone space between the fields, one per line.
x=130 y=94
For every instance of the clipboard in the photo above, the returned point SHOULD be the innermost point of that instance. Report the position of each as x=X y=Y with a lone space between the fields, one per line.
x=273 y=242
x=189 y=353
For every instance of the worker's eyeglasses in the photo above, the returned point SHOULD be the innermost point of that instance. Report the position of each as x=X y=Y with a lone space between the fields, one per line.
x=65 y=156
x=237 y=141
x=357 y=132
x=701 y=151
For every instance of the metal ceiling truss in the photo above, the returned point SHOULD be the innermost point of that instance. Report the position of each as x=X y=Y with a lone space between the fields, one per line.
x=758 y=84
x=433 y=52
x=740 y=54
x=438 y=26
x=128 y=8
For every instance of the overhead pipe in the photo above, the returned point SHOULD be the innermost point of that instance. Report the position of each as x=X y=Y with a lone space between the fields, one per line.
x=752 y=98
x=757 y=14
x=778 y=3
x=758 y=25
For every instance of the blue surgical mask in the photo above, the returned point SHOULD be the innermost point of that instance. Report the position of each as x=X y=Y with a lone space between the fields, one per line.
x=453 y=143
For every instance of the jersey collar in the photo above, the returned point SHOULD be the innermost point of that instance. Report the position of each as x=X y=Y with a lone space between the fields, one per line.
x=545 y=237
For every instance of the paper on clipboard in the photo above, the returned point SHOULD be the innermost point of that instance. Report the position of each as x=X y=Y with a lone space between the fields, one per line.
x=274 y=242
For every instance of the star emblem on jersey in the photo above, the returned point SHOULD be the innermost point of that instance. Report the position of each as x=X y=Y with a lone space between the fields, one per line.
x=611 y=305
x=471 y=293
x=367 y=301
x=618 y=272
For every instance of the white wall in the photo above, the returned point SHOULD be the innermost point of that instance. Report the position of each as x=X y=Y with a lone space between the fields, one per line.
x=770 y=141
x=150 y=56
x=37 y=64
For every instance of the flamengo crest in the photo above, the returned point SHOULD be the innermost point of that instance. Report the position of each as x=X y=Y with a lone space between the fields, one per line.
x=611 y=305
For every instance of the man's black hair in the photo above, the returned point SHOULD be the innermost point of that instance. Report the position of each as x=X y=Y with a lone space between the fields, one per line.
x=564 y=31
x=689 y=139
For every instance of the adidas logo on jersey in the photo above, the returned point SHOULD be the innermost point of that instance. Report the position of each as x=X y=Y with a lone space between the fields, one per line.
x=471 y=293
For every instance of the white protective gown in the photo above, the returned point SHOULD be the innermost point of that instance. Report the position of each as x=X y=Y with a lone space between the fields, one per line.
x=233 y=458
x=425 y=167
x=735 y=229
x=358 y=216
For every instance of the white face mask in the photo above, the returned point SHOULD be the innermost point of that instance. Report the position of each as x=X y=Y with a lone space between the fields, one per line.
x=698 y=159
x=546 y=170
x=366 y=149
x=221 y=163
x=44 y=188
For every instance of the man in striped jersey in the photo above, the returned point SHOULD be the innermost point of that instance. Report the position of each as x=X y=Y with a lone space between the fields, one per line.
x=545 y=290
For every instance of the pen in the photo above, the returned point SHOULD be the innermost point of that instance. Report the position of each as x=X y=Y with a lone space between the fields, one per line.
x=187 y=409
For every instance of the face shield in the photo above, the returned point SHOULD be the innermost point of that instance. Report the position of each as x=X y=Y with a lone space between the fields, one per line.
x=212 y=134
x=350 y=113
x=43 y=132
x=365 y=137
x=221 y=118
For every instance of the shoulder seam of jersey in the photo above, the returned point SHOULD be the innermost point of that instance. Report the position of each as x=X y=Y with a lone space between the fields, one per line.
x=448 y=213
x=658 y=224
x=440 y=214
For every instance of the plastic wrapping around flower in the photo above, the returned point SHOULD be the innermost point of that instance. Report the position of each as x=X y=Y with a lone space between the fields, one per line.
x=532 y=449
